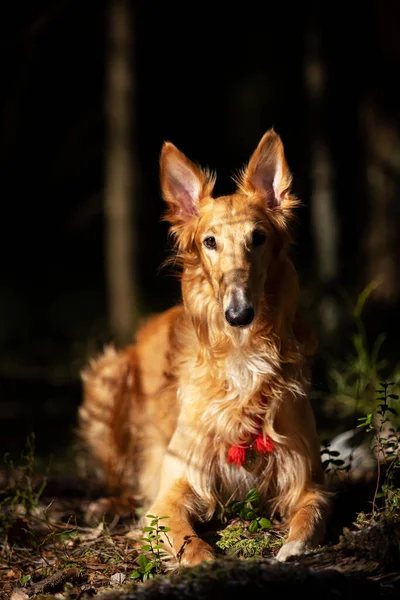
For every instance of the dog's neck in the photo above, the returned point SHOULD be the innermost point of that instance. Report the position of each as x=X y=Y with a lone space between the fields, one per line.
x=242 y=357
x=244 y=373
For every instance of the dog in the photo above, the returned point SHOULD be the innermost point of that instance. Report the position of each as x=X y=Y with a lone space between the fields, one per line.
x=212 y=398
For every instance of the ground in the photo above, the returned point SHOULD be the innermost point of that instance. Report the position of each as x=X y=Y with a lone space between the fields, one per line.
x=49 y=549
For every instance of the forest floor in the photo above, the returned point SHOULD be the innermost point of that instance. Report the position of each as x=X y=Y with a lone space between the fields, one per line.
x=50 y=548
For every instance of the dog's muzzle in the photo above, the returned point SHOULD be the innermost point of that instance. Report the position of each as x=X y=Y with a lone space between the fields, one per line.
x=239 y=312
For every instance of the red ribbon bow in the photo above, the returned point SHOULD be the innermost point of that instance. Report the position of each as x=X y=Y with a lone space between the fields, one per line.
x=237 y=454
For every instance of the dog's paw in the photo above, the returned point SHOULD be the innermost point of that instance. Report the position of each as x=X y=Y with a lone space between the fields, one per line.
x=291 y=549
x=108 y=509
x=194 y=551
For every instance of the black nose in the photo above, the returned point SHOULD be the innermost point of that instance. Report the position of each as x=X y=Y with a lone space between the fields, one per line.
x=239 y=316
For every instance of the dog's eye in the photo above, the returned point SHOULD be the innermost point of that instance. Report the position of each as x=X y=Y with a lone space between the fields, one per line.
x=210 y=243
x=258 y=238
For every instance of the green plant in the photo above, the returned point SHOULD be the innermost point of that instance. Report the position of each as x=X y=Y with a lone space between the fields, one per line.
x=25 y=579
x=236 y=540
x=21 y=489
x=386 y=447
x=353 y=381
x=248 y=535
x=247 y=510
x=150 y=562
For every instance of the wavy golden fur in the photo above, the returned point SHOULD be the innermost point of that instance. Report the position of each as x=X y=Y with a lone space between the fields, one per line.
x=229 y=363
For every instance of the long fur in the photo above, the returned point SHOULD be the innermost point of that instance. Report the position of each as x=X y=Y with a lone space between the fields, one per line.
x=159 y=416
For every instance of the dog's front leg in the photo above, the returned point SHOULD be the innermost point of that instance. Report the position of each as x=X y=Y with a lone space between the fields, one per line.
x=306 y=525
x=178 y=504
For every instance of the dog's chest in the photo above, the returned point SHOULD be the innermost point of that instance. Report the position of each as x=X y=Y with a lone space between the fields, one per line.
x=245 y=371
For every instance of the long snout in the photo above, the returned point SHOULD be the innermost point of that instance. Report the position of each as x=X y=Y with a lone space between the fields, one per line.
x=239 y=311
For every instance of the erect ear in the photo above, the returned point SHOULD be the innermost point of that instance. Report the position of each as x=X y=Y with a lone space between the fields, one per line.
x=183 y=184
x=267 y=173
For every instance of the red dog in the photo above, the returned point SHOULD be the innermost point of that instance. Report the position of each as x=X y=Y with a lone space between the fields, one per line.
x=212 y=399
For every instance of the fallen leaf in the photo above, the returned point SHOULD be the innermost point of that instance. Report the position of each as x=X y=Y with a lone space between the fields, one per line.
x=19 y=594
x=117 y=579
x=11 y=573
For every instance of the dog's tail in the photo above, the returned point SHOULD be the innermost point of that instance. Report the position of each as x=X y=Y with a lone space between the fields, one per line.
x=105 y=419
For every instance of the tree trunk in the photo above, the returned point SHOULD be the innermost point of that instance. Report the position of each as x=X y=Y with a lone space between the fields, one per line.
x=324 y=219
x=122 y=289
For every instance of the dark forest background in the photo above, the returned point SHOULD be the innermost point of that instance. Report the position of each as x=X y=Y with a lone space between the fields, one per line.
x=212 y=78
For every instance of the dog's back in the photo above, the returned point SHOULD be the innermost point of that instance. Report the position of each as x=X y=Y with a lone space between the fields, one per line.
x=130 y=409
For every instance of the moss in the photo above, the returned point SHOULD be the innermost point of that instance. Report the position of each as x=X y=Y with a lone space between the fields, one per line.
x=378 y=541
x=236 y=541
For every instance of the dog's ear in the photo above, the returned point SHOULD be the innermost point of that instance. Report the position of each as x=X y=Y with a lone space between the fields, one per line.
x=267 y=174
x=183 y=184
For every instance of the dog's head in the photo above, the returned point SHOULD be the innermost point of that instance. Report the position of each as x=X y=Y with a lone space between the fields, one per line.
x=233 y=239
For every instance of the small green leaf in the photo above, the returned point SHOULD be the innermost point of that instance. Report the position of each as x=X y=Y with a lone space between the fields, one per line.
x=142 y=561
x=250 y=515
x=135 y=574
x=264 y=523
x=253 y=527
x=146 y=548
x=252 y=495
